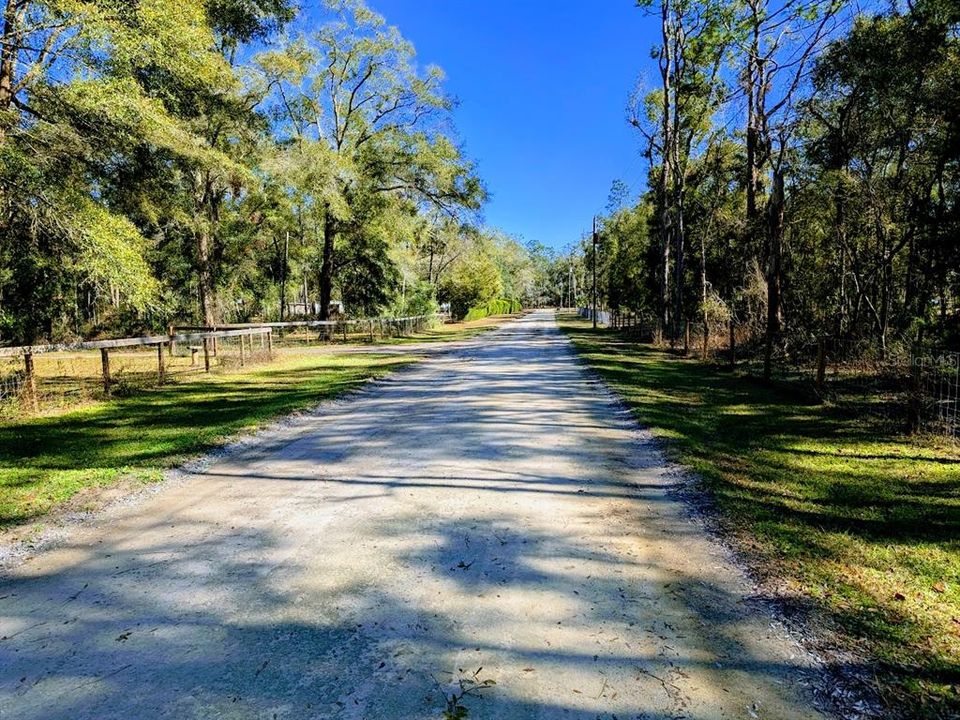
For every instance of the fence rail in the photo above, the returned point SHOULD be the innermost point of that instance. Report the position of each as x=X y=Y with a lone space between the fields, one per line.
x=133 y=341
x=172 y=349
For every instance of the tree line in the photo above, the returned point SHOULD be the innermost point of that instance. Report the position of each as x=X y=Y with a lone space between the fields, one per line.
x=803 y=175
x=216 y=164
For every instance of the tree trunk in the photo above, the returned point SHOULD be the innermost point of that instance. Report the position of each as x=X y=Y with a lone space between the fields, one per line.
x=678 y=267
x=840 y=202
x=703 y=294
x=207 y=214
x=775 y=231
x=326 y=266
x=666 y=171
x=284 y=269
x=205 y=278
x=8 y=57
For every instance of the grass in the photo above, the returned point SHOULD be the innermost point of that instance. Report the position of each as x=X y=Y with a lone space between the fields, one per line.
x=46 y=461
x=859 y=525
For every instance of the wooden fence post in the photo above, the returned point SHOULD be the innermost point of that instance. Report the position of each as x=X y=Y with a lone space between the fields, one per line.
x=344 y=330
x=270 y=344
x=241 y=351
x=173 y=343
x=206 y=355
x=31 y=379
x=733 y=345
x=160 y=367
x=370 y=323
x=821 y=364
x=105 y=364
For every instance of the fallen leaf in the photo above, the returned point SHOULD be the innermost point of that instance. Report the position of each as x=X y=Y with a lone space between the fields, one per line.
x=940 y=587
x=899 y=596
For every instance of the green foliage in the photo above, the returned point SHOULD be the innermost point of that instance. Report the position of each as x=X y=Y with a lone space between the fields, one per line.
x=467 y=686
x=107 y=92
x=853 y=116
x=148 y=174
x=498 y=306
x=474 y=280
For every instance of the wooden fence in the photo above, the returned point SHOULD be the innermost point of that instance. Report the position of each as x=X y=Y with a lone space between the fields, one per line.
x=206 y=338
x=328 y=329
x=201 y=342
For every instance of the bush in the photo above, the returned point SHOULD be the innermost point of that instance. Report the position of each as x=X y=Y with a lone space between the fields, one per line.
x=497 y=306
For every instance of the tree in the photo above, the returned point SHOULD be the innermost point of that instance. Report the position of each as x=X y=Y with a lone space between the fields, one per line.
x=354 y=88
x=882 y=134
x=779 y=41
x=675 y=121
x=78 y=91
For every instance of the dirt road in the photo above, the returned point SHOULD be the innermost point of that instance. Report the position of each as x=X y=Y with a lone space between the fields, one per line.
x=490 y=508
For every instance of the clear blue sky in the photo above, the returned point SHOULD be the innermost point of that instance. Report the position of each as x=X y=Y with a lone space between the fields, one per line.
x=543 y=86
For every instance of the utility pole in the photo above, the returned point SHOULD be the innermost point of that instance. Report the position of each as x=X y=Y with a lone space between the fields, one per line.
x=594 y=272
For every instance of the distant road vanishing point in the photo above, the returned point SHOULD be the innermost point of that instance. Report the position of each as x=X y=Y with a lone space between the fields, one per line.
x=486 y=533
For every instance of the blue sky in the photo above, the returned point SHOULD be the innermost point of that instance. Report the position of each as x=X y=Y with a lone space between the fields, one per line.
x=543 y=86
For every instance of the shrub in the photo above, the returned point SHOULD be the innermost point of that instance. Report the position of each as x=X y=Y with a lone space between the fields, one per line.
x=497 y=306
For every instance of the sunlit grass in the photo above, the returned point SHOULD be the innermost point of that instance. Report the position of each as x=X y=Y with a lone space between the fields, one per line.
x=862 y=524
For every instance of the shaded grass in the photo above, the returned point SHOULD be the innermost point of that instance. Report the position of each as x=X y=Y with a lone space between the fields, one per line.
x=859 y=525
x=45 y=461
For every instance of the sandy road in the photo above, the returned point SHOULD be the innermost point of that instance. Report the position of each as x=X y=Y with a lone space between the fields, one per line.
x=488 y=508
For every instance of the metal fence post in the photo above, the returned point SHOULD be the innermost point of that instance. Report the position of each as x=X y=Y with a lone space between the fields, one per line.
x=914 y=419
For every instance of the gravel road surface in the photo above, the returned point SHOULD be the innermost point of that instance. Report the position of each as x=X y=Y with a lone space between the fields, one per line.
x=489 y=514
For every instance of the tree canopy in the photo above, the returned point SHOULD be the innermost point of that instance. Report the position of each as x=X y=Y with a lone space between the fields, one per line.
x=211 y=164
x=805 y=154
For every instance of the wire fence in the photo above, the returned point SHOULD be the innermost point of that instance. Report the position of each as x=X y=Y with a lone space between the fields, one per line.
x=911 y=387
x=44 y=378
x=937 y=382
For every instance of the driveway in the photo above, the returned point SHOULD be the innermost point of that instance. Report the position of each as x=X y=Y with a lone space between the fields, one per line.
x=489 y=514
